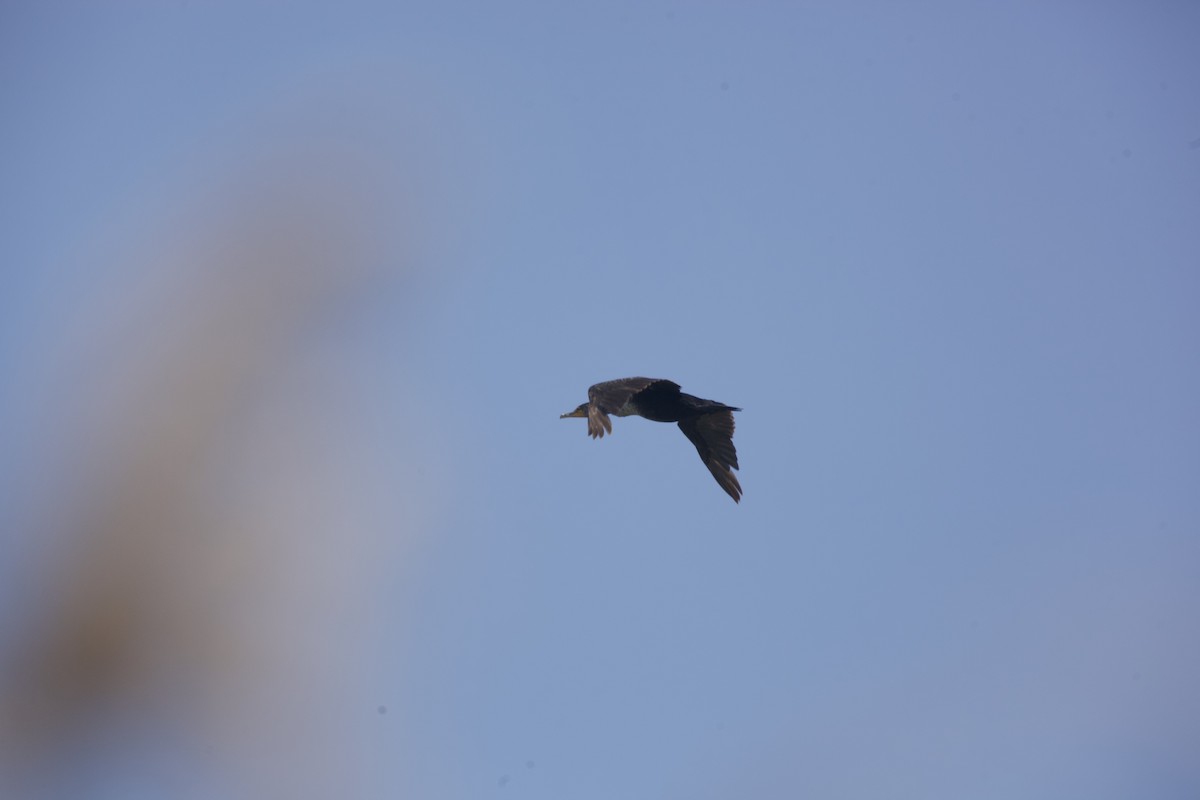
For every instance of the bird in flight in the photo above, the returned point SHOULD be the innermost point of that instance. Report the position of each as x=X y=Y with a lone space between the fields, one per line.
x=706 y=423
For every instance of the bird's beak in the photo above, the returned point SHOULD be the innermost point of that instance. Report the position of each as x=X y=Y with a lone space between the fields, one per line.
x=579 y=412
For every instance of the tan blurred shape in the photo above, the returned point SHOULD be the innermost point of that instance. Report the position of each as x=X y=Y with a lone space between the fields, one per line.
x=229 y=519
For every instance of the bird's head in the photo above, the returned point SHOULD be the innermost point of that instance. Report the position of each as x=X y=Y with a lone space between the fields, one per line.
x=581 y=411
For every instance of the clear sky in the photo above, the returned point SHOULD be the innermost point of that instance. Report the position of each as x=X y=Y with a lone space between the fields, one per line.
x=295 y=293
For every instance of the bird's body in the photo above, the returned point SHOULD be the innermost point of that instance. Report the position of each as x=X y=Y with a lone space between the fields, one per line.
x=707 y=423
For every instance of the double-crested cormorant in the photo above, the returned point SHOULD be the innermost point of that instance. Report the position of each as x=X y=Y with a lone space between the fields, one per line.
x=707 y=423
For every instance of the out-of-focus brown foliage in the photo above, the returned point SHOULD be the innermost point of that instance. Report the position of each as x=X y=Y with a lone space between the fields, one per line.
x=224 y=520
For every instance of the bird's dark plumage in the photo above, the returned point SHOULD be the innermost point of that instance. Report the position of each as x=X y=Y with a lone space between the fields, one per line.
x=706 y=423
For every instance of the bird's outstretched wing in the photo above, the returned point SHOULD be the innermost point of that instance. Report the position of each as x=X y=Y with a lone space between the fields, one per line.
x=611 y=396
x=713 y=436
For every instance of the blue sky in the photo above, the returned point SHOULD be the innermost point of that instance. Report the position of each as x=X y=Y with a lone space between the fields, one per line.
x=337 y=271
